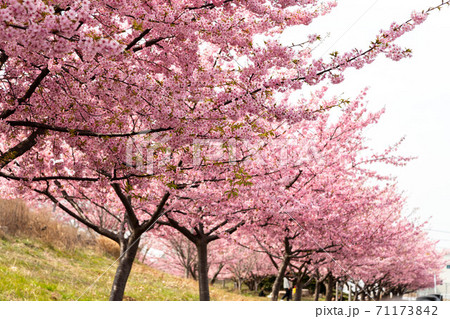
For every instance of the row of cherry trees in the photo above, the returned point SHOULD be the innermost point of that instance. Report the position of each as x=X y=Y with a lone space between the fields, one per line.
x=408 y=267
x=313 y=207
x=135 y=115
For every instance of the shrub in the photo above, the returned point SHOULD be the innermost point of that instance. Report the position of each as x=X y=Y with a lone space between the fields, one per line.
x=16 y=219
x=108 y=246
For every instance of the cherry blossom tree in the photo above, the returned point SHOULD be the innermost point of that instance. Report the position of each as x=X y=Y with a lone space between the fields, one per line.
x=321 y=195
x=82 y=81
x=249 y=267
x=179 y=255
x=125 y=68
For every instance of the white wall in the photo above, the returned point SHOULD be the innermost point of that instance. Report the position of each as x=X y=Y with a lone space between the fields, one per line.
x=443 y=289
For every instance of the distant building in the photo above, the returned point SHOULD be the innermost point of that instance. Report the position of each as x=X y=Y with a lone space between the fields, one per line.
x=444 y=288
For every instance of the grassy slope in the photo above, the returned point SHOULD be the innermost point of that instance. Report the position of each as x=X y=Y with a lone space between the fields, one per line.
x=31 y=270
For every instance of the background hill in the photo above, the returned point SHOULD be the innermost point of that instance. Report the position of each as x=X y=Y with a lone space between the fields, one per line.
x=52 y=261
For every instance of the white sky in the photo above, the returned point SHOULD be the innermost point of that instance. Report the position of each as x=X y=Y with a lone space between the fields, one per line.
x=416 y=93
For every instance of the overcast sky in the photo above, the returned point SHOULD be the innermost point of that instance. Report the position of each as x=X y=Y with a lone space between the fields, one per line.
x=415 y=92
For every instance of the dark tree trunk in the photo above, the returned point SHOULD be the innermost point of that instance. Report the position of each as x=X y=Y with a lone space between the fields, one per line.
x=329 y=288
x=340 y=292
x=203 y=282
x=317 y=290
x=214 y=278
x=193 y=272
x=257 y=283
x=363 y=295
x=144 y=256
x=250 y=284
x=349 y=291
x=128 y=254
x=378 y=294
x=298 y=291
x=279 y=279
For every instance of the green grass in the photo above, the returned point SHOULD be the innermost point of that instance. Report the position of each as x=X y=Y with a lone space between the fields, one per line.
x=31 y=270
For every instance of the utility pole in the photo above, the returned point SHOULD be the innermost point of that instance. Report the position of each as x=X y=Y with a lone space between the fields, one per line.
x=435 y=287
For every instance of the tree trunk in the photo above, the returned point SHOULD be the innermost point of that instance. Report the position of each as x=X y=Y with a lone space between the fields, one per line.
x=317 y=290
x=250 y=284
x=378 y=294
x=363 y=295
x=349 y=291
x=329 y=288
x=279 y=279
x=193 y=271
x=128 y=254
x=257 y=283
x=214 y=278
x=144 y=256
x=203 y=282
x=338 y=293
x=298 y=291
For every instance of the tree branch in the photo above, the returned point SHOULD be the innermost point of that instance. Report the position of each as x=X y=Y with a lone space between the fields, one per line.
x=207 y=5
x=68 y=178
x=79 y=132
x=137 y=39
x=294 y=180
x=150 y=43
x=182 y=229
x=3 y=58
x=94 y=227
x=20 y=148
x=158 y=213
x=6 y=113
x=131 y=216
